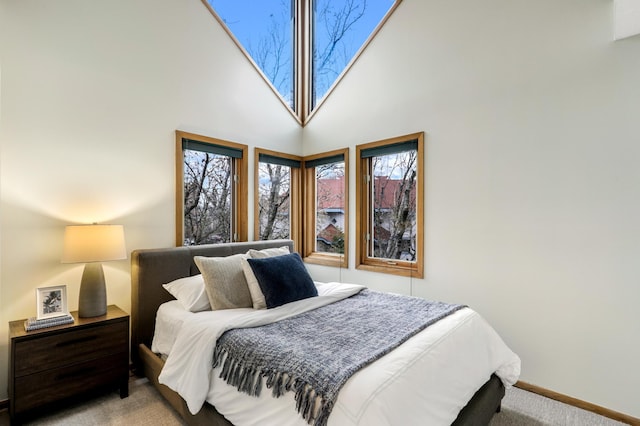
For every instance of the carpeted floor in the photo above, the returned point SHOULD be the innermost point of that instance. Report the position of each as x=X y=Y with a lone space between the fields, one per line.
x=522 y=408
x=145 y=406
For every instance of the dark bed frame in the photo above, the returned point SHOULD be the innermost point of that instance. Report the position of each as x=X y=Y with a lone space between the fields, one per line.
x=150 y=268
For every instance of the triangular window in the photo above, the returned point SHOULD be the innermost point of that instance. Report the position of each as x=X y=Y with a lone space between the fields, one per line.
x=302 y=47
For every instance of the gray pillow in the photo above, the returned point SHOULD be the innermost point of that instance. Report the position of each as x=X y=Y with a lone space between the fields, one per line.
x=224 y=281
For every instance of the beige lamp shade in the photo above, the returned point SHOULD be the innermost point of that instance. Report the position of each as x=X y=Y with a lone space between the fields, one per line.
x=93 y=243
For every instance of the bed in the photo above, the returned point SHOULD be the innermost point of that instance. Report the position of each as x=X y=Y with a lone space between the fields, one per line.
x=151 y=268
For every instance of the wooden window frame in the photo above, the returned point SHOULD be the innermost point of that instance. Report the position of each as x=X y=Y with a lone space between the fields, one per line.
x=363 y=215
x=310 y=254
x=240 y=191
x=295 y=212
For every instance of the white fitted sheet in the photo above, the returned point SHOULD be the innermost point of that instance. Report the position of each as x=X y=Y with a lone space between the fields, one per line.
x=169 y=319
x=427 y=380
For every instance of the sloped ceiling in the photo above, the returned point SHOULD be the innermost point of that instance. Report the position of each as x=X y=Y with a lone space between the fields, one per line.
x=626 y=18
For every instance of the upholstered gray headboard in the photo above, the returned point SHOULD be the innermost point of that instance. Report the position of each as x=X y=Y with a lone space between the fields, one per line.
x=150 y=268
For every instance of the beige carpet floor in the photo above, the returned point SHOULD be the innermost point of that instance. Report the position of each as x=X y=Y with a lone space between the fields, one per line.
x=145 y=406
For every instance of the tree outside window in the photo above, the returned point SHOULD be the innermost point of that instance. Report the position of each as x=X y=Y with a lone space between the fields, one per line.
x=207 y=198
x=211 y=190
x=393 y=198
x=277 y=205
x=265 y=29
x=274 y=201
x=340 y=30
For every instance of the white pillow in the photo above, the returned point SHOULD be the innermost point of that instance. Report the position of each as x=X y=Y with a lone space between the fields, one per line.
x=190 y=292
x=257 y=297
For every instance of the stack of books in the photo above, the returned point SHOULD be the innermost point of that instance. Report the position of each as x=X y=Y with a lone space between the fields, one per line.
x=36 y=324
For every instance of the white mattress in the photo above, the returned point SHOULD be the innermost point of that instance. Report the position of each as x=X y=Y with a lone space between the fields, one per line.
x=427 y=380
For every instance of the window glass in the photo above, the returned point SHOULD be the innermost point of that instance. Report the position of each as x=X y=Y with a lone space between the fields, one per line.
x=274 y=201
x=207 y=198
x=393 y=198
x=340 y=28
x=330 y=208
x=277 y=196
x=326 y=205
x=265 y=29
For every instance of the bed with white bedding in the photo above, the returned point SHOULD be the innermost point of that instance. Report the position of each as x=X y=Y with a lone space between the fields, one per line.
x=453 y=371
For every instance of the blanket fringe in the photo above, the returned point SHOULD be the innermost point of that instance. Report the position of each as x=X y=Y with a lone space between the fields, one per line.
x=305 y=401
x=249 y=380
x=323 y=413
x=245 y=378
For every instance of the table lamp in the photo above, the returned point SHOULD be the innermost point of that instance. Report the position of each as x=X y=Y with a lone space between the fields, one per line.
x=92 y=244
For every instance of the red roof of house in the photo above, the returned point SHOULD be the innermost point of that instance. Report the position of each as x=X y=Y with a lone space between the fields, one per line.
x=329 y=233
x=387 y=192
x=331 y=193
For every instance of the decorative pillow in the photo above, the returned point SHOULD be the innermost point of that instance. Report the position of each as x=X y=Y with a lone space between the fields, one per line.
x=224 y=281
x=283 y=279
x=254 y=288
x=190 y=292
x=270 y=252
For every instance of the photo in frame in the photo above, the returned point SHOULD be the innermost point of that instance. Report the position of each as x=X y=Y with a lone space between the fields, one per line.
x=51 y=302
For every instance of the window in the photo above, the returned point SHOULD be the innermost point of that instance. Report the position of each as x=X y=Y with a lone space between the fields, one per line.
x=389 y=202
x=264 y=29
x=211 y=190
x=301 y=47
x=277 y=199
x=339 y=30
x=325 y=208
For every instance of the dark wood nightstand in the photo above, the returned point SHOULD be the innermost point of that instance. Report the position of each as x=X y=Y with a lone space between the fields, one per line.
x=66 y=362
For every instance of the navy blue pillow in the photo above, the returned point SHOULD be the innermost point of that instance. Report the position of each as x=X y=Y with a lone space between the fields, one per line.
x=283 y=279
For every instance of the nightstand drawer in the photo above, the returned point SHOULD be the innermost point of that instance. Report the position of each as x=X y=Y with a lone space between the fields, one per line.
x=45 y=352
x=59 y=383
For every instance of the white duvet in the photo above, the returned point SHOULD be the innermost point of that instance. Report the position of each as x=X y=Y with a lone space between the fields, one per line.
x=425 y=381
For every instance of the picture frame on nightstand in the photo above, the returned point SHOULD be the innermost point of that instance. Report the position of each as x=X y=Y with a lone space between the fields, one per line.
x=51 y=302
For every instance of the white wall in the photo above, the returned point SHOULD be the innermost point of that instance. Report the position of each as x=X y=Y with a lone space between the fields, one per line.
x=92 y=93
x=532 y=152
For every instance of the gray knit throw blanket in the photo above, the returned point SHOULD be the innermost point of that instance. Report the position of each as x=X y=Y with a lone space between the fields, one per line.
x=315 y=353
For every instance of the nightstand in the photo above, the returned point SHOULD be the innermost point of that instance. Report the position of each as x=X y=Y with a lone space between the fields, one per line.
x=63 y=363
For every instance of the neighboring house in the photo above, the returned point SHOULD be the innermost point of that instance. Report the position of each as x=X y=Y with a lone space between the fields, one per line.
x=390 y=216
x=330 y=219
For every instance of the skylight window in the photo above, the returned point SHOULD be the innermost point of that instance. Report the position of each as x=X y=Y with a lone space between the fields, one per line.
x=340 y=29
x=302 y=47
x=265 y=30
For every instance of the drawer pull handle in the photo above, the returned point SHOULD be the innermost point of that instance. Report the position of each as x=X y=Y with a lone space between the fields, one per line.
x=80 y=372
x=78 y=340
